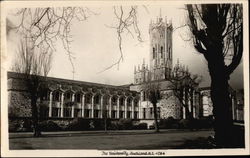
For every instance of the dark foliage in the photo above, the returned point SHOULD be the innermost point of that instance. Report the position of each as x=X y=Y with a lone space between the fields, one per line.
x=169 y=123
x=49 y=126
x=79 y=124
x=125 y=124
x=140 y=126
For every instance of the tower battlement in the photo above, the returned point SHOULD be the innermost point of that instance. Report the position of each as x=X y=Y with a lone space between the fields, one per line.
x=160 y=54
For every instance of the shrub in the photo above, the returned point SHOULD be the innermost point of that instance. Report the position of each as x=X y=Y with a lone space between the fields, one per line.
x=97 y=124
x=49 y=126
x=168 y=123
x=79 y=124
x=14 y=125
x=112 y=125
x=125 y=124
x=205 y=122
x=27 y=125
x=140 y=126
x=201 y=123
x=184 y=123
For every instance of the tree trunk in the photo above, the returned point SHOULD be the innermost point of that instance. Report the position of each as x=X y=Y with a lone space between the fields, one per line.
x=221 y=103
x=155 y=117
x=36 y=128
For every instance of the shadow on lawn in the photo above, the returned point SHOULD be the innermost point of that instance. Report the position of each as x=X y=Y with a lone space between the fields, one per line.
x=206 y=143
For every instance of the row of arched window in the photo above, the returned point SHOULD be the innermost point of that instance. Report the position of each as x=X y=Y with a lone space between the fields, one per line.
x=56 y=96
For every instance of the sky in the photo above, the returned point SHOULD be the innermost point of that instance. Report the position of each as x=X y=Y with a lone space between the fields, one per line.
x=95 y=47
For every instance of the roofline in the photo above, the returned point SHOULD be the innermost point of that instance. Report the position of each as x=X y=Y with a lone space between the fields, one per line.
x=21 y=75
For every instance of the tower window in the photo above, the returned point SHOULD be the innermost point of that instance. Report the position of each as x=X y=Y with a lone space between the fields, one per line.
x=154 y=55
x=161 y=52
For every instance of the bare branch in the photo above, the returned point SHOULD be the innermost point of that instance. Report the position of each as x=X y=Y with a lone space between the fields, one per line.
x=126 y=23
x=44 y=26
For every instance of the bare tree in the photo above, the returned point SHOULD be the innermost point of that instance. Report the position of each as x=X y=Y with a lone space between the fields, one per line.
x=183 y=86
x=44 y=26
x=152 y=92
x=217 y=31
x=35 y=66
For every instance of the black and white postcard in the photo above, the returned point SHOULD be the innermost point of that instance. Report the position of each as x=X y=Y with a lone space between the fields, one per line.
x=124 y=78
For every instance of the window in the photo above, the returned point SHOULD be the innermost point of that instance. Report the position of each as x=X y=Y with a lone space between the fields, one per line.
x=113 y=114
x=114 y=101
x=154 y=53
x=96 y=99
x=151 y=111
x=55 y=112
x=56 y=96
x=77 y=112
x=96 y=112
x=105 y=100
x=122 y=101
x=144 y=113
x=143 y=96
x=135 y=115
x=67 y=112
x=136 y=103
x=128 y=114
x=87 y=113
x=161 y=52
x=121 y=114
x=129 y=101
x=68 y=96
x=88 y=99
x=78 y=98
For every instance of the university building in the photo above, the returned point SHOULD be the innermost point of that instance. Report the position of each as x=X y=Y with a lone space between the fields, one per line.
x=73 y=99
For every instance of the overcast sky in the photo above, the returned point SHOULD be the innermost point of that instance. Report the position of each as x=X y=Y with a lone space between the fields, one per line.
x=95 y=47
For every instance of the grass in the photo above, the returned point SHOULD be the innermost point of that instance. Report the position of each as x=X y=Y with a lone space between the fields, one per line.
x=141 y=139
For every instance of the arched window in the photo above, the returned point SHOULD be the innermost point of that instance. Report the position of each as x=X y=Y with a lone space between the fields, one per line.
x=97 y=99
x=68 y=96
x=136 y=103
x=88 y=99
x=78 y=98
x=56 y=96
x=114 y=100
x=122 y=101
x=106 y=100
x=129 y=101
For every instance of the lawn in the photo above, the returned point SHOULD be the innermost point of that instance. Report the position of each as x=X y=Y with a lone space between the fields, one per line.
x=134 y=139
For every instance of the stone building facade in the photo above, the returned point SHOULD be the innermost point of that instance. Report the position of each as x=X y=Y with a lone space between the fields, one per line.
x=71 y=99
x=237 y=101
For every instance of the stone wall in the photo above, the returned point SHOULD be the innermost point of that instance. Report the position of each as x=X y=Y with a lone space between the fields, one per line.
x=170 y=108
x=19 y=104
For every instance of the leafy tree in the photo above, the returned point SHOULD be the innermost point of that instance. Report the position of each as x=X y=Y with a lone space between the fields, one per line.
x=217 y=31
